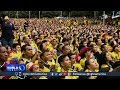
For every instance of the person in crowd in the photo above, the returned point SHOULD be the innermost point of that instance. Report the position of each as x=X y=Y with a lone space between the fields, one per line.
x=16 y=52
x=7 y=28
x=66 y=65
x=75 y=65
x=91 y=66
x=59 y=45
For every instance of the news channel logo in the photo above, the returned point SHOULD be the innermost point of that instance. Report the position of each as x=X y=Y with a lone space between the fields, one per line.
x=15 y=67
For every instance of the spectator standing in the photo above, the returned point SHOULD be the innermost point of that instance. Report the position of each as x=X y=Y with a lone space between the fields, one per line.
x=7 y=32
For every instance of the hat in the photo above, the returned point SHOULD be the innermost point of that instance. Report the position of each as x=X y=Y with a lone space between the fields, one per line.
x=77 y=58
x=6 y=18
x=84 y=50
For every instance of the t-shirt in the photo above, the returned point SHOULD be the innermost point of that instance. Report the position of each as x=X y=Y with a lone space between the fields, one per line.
x=82 y=62
x=77 y=67
x=116 y=56
x=17 y=55
x=45 y=69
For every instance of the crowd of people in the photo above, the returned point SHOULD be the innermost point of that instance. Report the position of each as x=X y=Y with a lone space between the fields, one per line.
x=59 y=45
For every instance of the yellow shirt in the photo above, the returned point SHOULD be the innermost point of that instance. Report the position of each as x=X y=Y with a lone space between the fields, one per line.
x=85 y=21
x=55 y=57
x=87 y=70
x=52 y=62
x=17 y=55
x=119 y=55
x=74 y=23
x=45 y=69
x=99 y=50
x=104 y=66
x=112 y=54
x=89 y=22
x=71 y=47
x=119 y=23
x=36 y=62
x=116 y=56
x=58 y=67
x=43 y=77
x=109 y=37
x=82 y=62
x=60 y=21
x=16 y=38
x=75 y=49
x=61 y=39
x=50 y=47
x=13 y=77
x=26 y=61
x=77 y=67
x=34 y=46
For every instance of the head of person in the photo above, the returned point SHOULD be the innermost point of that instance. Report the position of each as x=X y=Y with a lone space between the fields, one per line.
x=85 y=52
x=84 y=43
x=66 y=49
x=37 y=41
x=33 y=67
x=105 y=57
x=110 y=48
x=90 y=39
x=95 y=48
x=110 y=40
x=98 y=41
x=43 y=45
x=27 y=50
x=116 y=48
x=64 y=61
x=54 y=42
x=91 y=64
x=89 y=54
x=8 y=48
x=34 y=33
x=98 y=36
x=46 y=55
x=75 y=36
x=3 y=53
x=59 y=47
x=16 y=47
x=65 y=41
x=26 y=39
x=72 y=57
x=104 y=47
x=75 y=43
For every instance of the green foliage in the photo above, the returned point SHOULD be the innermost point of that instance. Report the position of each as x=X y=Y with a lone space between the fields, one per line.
x=50 y=14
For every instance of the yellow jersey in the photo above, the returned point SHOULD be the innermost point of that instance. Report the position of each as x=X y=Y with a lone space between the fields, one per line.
x=82 y=62
x=17 y=55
